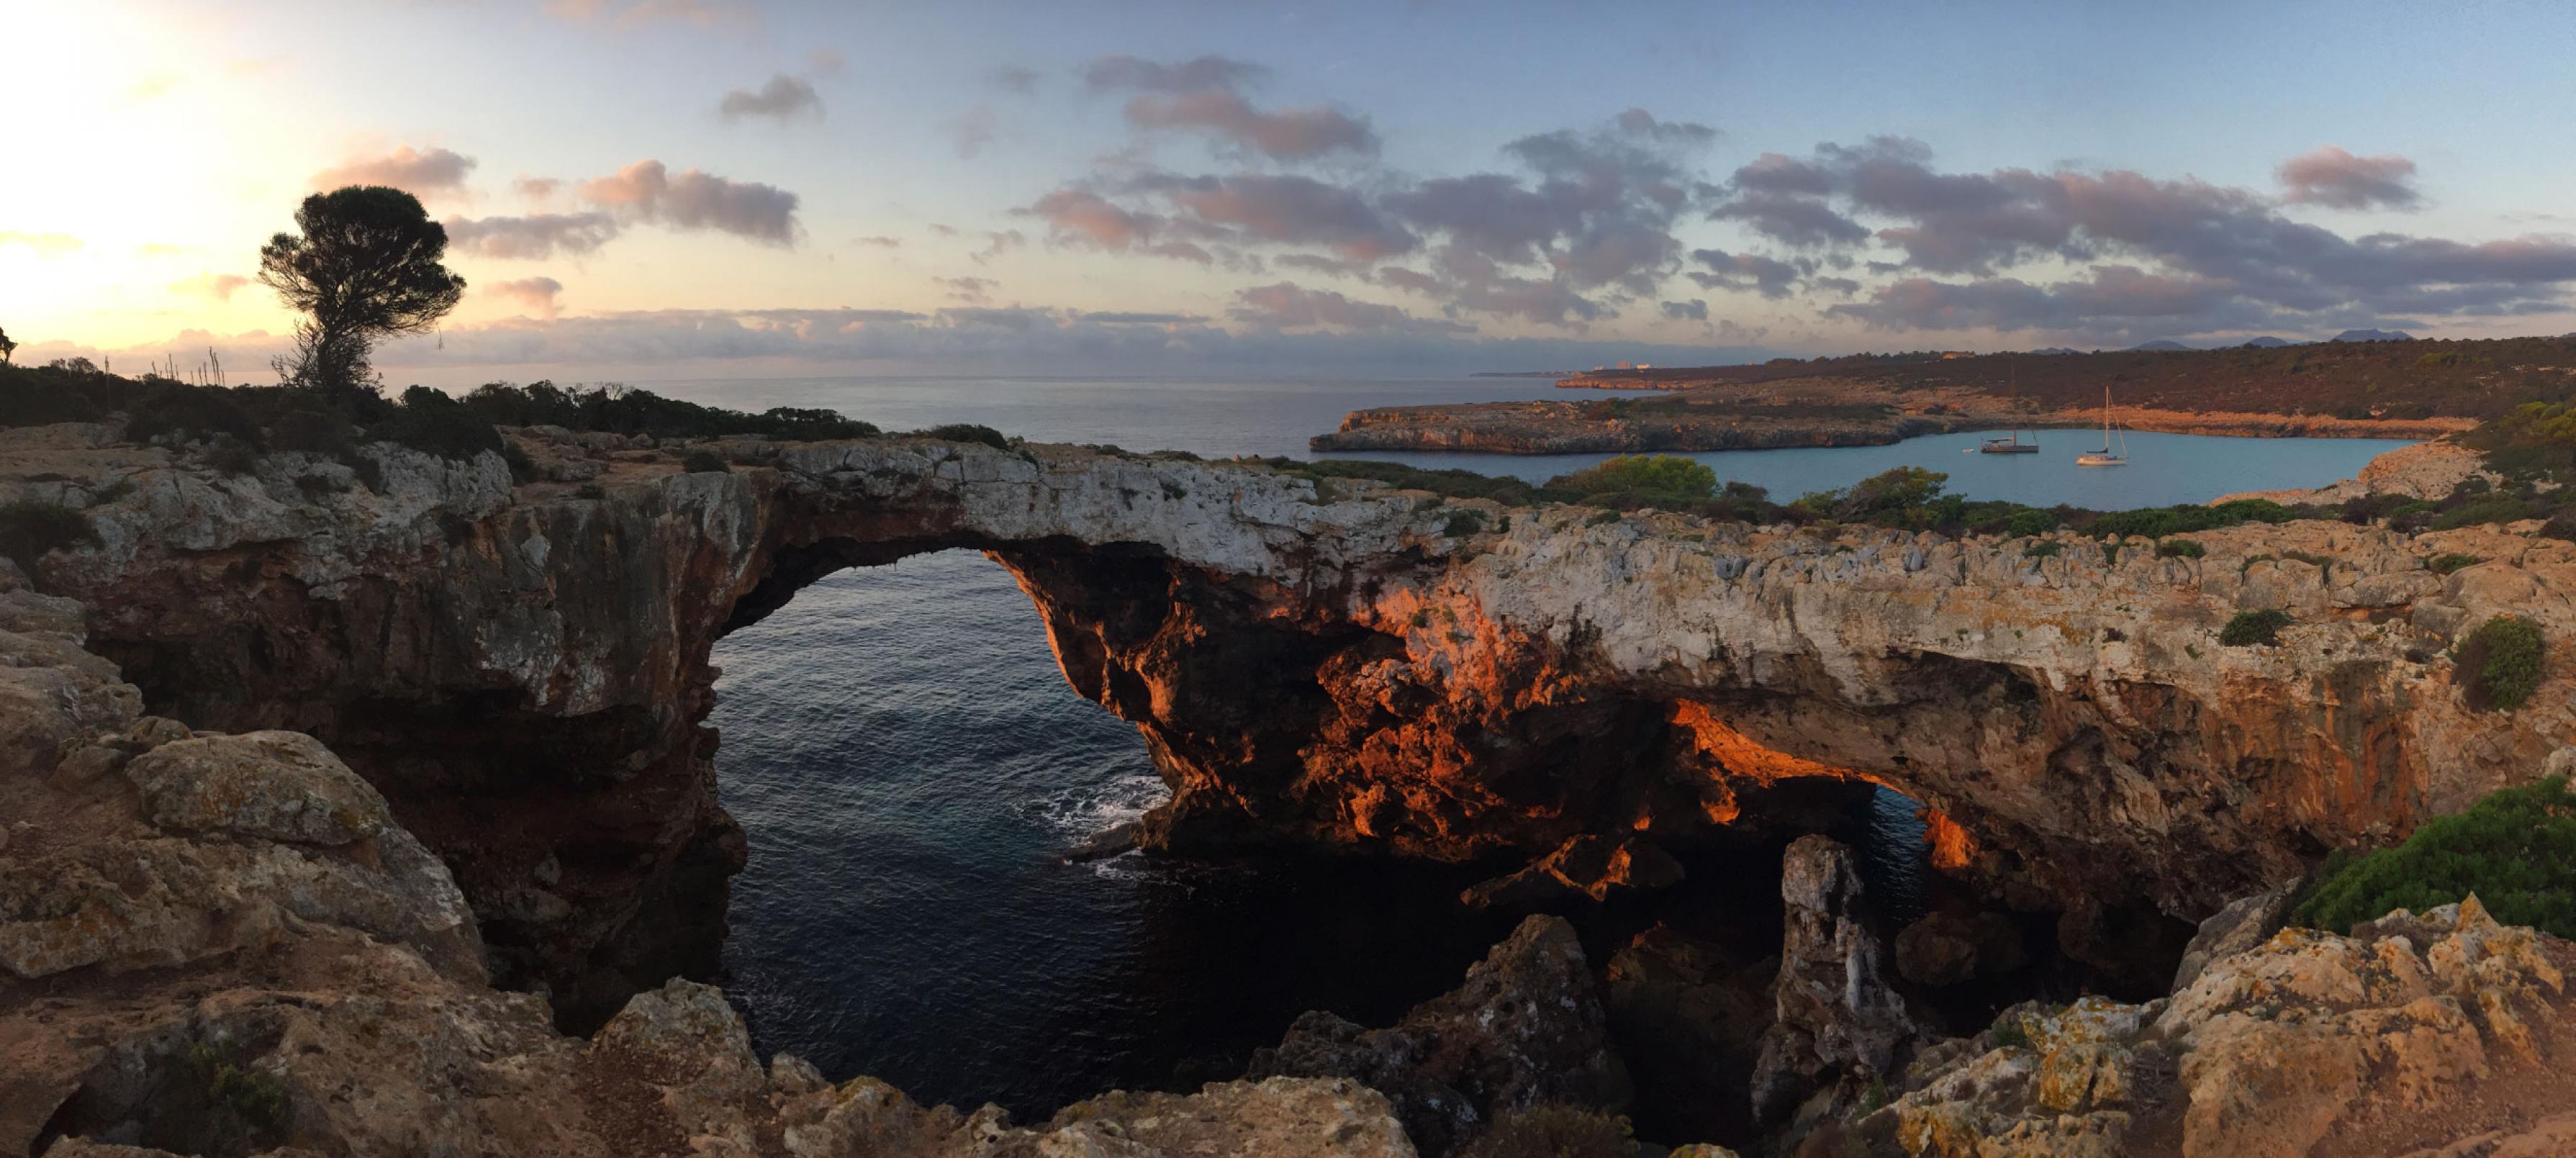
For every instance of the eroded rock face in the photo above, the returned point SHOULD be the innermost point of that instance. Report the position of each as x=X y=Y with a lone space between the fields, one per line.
x=219 y=945
x=2415 y=1030
x=1838 y=1020
x=1525 y=1030
x=521 y=672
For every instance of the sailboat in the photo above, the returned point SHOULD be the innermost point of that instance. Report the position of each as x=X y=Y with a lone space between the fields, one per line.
x=2105 y=456
x=2014 y=444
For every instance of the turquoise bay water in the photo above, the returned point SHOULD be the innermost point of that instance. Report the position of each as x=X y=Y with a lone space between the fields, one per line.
x=909 y=766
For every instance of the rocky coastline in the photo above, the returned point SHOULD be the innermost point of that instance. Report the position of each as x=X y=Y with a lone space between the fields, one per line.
x=1792 y=414
x=392 y=785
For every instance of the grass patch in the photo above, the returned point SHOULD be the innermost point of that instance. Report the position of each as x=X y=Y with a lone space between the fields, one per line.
x=2501 y=663
x=2516 y=849
x=704 y=461
x=2255 y=628
x=1463 y=522
x=2180 y=549
x=2454 y=562
x=2042 y=549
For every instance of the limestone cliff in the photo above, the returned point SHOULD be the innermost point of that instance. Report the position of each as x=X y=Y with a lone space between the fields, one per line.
x=521 y=670
x=221 y=945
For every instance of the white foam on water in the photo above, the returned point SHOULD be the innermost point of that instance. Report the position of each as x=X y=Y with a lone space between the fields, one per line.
x=1086 y=811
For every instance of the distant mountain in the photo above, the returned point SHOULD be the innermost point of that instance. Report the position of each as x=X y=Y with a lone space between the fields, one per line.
x=2056 y=350
x=2373 y=336
x=2160 y=344
x=2267 y=342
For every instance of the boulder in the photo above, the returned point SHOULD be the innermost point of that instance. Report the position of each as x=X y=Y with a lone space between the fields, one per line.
x=1525 y=1030
x=277 y=785
x=2245 y=923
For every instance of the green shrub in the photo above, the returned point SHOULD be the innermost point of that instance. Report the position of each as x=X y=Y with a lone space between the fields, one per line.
x=315 y=431
x=967 y=432
x=232 y=455
x=2180 y=549
x=590 y=490
x=1465 y=522
x=1553 y=1132
x=522 y=468
x=624 y=410
x=704 y=461
x=2516 y=849
x=2501 y=663
x=2250 y=628
x=432 y=422
x=1677 y=481
x=2158 y=522
x=2009 y=1034
x=2454 y=562
x=29 y=529
x=1601 y=518
x=2491 y=509
x=2042 y=549
x=2030 y=523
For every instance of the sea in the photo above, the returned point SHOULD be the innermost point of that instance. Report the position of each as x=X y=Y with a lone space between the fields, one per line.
x=910 y=768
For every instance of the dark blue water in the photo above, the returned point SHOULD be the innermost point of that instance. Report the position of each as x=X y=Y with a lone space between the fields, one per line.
x=909 y=765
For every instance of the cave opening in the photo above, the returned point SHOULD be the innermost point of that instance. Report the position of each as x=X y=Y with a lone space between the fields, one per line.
x=910 y=769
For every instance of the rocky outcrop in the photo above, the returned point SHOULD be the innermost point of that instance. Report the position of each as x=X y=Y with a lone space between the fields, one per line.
x=2439 y=1034
x=1526 y=1030
x=1947 y=948
x=1591 y=865
x=1595 y=428
x=1838 y=1022
x=1689 y=1016
x=521 y=671
x=223 y=945
x=2426 y=470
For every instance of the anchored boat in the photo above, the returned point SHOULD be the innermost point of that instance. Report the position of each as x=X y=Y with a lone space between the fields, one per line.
x=2106 y=456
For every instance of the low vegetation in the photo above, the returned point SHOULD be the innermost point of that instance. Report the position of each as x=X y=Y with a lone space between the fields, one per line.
x=236 y=425
x=29 y=528
x=966 y=432
x=2180 y=549
x=704 y=461
x=2516 y=849
x=2454 y=561
x=1553 y=1132
x=2405 y=380
x=2255 y=628
x=2501 y=663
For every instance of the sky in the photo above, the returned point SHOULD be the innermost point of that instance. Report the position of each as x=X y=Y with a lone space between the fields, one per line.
x=646 y=189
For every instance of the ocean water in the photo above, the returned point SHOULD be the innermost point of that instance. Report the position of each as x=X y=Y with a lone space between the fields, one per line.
x=910 y=766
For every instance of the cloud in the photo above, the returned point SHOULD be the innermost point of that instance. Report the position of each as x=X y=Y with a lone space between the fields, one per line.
x=646 y=192
x=1694 y=310
x=408 y=169
x=2331 y=177
x=219 y=286
x=880 y=241
x=45 y=244
x=783 y=99
x=1203 y=74
x=536 y=294
x=2175 y=256
x=1288 y=306
x=538 y=235
x=971 y=290
x=1282 y=135
x=1013 y=79
x=998 y=242
x=971 y=131
x=637 y=13
x=1286 y=209
x=1770 y=277
x=1118 y=318
x=536 y=188
x=1205 y=95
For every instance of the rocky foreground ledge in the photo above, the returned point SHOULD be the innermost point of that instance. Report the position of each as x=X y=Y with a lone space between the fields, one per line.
x=223 y=944
x=520 y=669
x=299 y=764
